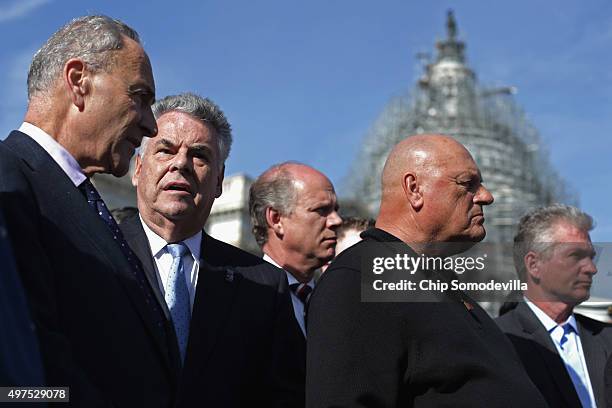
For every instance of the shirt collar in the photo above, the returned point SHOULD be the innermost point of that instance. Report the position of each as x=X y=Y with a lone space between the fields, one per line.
x=57 y=152
x=290 y=278
x=550 y=324
x=159 y=244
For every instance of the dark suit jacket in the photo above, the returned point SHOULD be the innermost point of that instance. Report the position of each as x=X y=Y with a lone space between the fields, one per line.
x=544 y=365
x=241 y=350
x=608 y=383
x=298 y=341
x=405 y=354
x=97 y=334
x=20 y=361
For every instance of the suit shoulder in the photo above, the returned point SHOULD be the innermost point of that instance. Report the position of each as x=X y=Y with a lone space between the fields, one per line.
x=224 y=251
x=10 y=163
x=508 y=322
x=351 y=257
x=593 y=325
x=220 y=253
x=345 y=269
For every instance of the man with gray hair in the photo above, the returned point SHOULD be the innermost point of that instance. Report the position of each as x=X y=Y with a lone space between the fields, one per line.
x=229 y=310
x=101 y=331
x=564 y=353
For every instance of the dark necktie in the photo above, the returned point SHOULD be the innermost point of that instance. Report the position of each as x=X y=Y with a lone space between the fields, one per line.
x=302 y=291
x=95 y=201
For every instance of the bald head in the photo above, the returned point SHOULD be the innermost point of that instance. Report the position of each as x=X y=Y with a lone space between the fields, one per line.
x=422 y=155
x=432 y=191
x=298 y=172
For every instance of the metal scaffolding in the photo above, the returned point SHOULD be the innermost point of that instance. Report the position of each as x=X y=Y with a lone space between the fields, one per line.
x=447 y=99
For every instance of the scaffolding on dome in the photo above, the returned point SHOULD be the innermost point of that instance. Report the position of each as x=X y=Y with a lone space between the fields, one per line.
x=507 y=147
x=487 y=120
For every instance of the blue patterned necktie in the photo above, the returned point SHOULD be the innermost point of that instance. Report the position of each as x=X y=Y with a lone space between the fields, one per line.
x=177 y=296
x=95 y=201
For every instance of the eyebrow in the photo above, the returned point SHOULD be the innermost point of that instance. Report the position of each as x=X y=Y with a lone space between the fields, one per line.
x=197 y=148
x=469 y=175
x=200 y=148
x=324 y=204
x=145 y=89
x=165 y=142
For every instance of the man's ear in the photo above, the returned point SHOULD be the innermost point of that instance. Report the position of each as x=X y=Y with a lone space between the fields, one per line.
x=412 y=190
x=532 y=265
x=77 y=79
x=137 y=169
x=219 y=190
x=274 y=221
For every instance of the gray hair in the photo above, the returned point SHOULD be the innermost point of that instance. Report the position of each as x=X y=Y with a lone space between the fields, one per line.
x=535 y=231
x=274 y=188
x=202 y=109
x=91 y=38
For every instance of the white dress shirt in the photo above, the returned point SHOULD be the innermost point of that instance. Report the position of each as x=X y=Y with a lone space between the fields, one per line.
x=57 y=152
x=163 y=260
x=571 y=353
x=298 y=306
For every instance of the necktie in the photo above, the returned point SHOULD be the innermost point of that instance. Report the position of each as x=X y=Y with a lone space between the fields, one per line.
x=573 y=364
x=95 y=201
x=177 y=296
x=302 y=291
x=567 y=329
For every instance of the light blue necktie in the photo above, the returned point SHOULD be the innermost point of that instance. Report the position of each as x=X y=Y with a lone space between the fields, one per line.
x=573 y=364
x=177 y=296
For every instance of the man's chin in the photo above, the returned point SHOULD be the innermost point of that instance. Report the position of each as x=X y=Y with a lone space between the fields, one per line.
x=120 y=171
x=477 y=235
x=327 y=257
x=177 y=212
x=119 y=166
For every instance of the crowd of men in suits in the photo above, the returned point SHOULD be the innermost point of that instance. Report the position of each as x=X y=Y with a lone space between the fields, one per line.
x=157 y=313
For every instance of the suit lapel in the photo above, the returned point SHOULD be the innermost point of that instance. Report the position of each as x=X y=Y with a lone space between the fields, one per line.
x=74 y=209
x=215 y=293
x=137 y=239
x=595 y=356
x=553 y=362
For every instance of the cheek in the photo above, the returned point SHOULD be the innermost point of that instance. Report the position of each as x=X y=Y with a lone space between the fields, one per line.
x=207 y=184
x=150 y=179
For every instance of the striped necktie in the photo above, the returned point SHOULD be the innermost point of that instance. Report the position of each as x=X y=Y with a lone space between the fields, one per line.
x=302 y=291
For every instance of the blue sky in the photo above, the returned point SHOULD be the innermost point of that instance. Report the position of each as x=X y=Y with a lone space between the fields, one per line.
x=305 y=80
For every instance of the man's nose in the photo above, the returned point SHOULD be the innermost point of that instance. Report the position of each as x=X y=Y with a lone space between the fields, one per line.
x=148 y=123
x=483 y=196
x=180 y=161
x=590 y=266
x=334 y=220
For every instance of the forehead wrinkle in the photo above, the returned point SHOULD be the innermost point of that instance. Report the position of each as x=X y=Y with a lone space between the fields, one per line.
x=320 y=198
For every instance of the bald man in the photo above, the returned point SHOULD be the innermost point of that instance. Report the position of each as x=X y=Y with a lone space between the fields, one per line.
x=444 y=352
x=294 y=212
